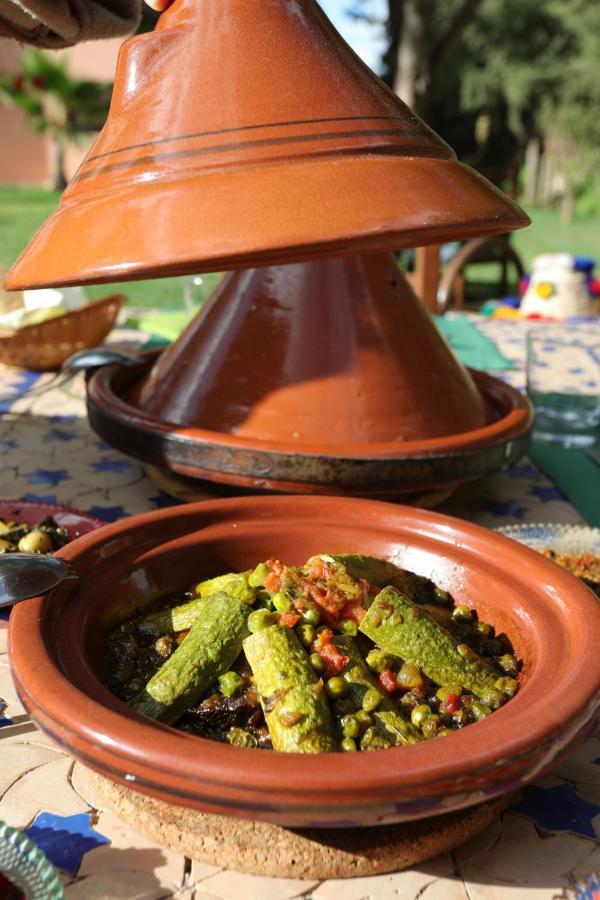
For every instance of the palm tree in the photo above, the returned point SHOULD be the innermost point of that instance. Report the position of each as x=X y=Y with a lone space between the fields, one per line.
x=56 y=103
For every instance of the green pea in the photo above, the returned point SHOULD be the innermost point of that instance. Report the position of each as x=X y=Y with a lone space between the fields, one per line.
x=419 y=714
x=484 y=629
x=431 y=726
x=462 y=614
x=410 y=676
x=492 y=698
x=238 y=737
x=231 y=683
x=350 y=727
x=378 y=660
x=311 y=616
x=335 y=687
x=508 y=664
x=259 y=619
x=507 y=686
x=257 y=577
x=371 y=700
x=281 y=602
x=348 y=745
x=373 y=740
x=307 y=634
x=364 y=719
x=317 y=662
x=349 y=626
x=441 y=596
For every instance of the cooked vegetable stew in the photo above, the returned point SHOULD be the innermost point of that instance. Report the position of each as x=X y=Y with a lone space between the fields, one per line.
x=584 y=565
x=347 y=652
x=45 y=537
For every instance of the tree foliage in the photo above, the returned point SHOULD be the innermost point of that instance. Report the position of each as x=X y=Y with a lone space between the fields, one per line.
x=55 y=102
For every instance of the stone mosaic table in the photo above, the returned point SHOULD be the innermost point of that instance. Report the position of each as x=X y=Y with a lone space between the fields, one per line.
x=544 y=847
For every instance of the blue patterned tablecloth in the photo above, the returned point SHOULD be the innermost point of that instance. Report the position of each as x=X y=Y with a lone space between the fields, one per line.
x=540 y=849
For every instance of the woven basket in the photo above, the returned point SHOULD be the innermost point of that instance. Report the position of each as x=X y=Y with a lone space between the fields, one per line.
x=44 y=347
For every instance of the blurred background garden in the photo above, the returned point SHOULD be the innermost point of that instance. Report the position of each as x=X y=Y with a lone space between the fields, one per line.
x=512 y=85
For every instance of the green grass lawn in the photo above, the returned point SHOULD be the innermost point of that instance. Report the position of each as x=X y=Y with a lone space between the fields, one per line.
x=23 y=209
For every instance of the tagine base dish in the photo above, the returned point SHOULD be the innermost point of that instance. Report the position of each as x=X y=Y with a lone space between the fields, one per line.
x=380 y=471
x=190 y=490
x=260 y=848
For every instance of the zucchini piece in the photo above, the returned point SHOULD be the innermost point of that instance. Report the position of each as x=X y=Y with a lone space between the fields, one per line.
x=233 y=583
x=359 y=679
x=291 y=694
x=382 y=573
x=179 y=618
x=405 y=629
x=212 y=646
x=182 y=617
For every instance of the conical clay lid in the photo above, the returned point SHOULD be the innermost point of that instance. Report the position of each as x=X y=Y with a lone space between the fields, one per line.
x=329 y=353
x=246 y=132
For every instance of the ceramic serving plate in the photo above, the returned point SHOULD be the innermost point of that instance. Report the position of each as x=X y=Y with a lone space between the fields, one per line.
x=558 y=537
x=56 y=651
x=75 y=521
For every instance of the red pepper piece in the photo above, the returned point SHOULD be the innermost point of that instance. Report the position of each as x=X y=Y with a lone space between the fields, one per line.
x=387 y=680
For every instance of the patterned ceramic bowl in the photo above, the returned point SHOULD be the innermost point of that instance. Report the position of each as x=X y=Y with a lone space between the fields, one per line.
x=561 y=540
x=57 y=645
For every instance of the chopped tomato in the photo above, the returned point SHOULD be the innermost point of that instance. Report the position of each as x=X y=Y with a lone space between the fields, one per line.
x=318 y=568
x=355 y=611
x=387 y=680
x=324 y=637
x=289 y=619
x=335 y=661
x=272 y=581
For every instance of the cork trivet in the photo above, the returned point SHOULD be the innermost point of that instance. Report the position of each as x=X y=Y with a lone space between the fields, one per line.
x=263 y=849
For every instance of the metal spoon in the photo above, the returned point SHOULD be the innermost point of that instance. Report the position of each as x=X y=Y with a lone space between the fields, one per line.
x=95 y=357
x=24 y=575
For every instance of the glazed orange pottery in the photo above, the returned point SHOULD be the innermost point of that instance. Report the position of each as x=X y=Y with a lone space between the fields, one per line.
x=246 y=132
x=57 y=647
x=325 y=376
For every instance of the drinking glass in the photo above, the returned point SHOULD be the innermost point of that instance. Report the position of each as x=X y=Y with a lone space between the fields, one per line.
x=563 y=383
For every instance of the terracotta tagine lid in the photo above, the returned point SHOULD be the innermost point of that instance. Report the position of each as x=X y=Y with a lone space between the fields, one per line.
x=333 y=352
x=246 y=132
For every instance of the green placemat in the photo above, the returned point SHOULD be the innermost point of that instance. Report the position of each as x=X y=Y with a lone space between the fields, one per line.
x=575 y=474
x=472 y=347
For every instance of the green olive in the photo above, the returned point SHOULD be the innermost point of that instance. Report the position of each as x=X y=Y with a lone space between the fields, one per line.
x=507 y=686
x=508 y=664
x=348 y=745
x=35 y=542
